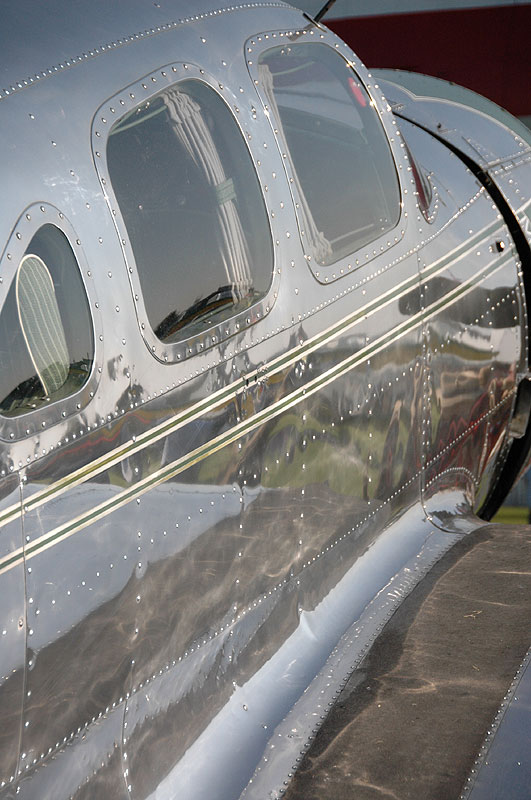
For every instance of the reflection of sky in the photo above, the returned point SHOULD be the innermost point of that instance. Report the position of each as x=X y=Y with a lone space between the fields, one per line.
x=227 y=750
x=320 y=98
x=439 y=91
x=10 y=499
x=61 y=776
x=90 y=551
x=506 y=763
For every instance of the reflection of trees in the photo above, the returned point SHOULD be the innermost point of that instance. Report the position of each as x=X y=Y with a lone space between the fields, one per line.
x=479 y=307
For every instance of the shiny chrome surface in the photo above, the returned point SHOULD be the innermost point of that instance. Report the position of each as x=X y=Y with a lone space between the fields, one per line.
x=413 y=716
x=197 y=550
x=503 y=766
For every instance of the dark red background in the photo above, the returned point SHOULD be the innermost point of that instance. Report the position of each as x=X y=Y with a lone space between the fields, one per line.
x=485 y=49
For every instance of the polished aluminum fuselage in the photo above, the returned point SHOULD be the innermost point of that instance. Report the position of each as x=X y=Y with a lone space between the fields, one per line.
x=193 y=561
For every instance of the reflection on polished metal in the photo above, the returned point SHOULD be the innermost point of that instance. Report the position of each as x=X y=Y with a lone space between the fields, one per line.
x=289 y=351
x=411 y=719
x=504 y=764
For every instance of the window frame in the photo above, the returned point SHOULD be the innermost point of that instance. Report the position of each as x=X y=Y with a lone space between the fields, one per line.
x=106 y=116
x=35 y=217
x=258 y=44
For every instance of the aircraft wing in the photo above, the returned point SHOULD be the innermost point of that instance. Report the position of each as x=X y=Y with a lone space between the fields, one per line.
x=442 y=702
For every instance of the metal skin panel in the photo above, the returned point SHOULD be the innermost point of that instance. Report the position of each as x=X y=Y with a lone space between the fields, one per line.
x=12 y=638
x=472 y=298
x=457 y=114
x=503 y=766
x=213 y=541
x=83 y=35
x=232 y=536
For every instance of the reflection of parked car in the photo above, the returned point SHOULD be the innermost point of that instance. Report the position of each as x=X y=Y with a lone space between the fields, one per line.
x=251 y=344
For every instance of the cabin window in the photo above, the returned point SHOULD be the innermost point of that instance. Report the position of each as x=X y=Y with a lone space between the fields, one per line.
x=345 y=181
x=46 y=336
x=192 y=205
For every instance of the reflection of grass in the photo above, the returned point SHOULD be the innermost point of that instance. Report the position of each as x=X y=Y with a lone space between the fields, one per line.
x=289 y=432
x=294 y=452
x=219 y=466
x=512 y=515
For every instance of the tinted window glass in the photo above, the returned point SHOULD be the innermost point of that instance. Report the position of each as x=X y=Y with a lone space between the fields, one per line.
x=190 y=198
x=46 y=340
x=344 y=171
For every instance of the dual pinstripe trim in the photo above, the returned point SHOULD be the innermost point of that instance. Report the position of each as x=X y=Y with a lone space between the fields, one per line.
x=241 y=429
x=274 y=367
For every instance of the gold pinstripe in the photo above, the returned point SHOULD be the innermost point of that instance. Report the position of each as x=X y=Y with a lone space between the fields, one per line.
x=273 y=367
x=243 y=428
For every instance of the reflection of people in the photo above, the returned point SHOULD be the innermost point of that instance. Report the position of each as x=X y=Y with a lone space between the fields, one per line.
x=527 y=478
x=389 y=455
